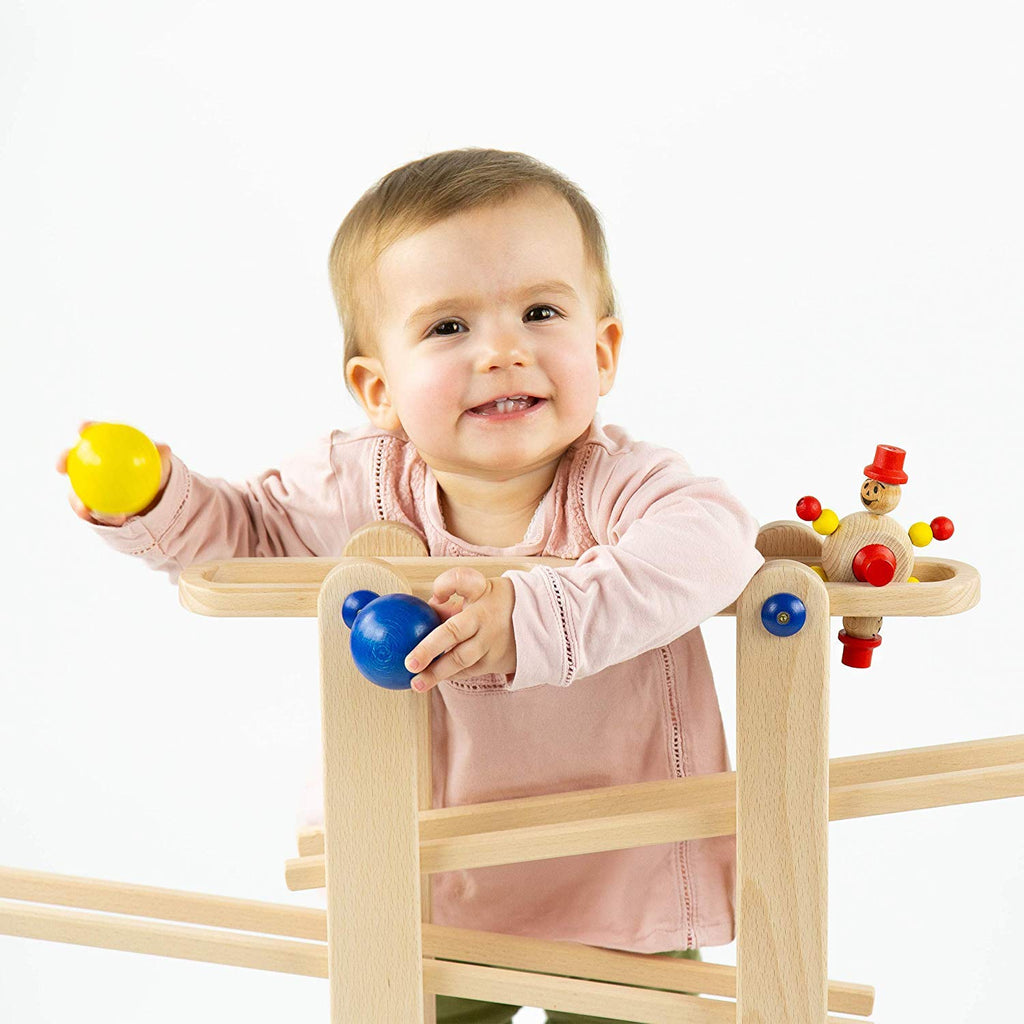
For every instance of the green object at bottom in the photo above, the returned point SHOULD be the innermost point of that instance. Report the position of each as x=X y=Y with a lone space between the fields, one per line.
x=451 y=1010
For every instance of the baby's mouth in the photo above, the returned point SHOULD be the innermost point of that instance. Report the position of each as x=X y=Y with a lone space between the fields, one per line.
x=505 y=406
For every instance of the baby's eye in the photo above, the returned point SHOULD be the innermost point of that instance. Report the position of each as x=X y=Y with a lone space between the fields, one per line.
x=543 y=318
x=436 y=329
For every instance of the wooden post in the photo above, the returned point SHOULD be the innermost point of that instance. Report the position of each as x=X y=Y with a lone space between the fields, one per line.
x=782 y=803
x=396 y=540
x=371 y=821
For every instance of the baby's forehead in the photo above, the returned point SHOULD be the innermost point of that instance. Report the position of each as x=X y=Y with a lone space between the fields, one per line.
x=522 y=255
x=489 y=252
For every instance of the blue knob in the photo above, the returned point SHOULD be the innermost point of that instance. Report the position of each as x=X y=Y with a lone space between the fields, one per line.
x=783 y=614
x=384 y=631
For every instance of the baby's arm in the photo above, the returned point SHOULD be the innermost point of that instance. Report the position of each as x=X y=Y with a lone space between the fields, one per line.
x=673 y=550
x=293 y=510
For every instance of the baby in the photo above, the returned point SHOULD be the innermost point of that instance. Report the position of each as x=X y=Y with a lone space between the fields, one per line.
x=480 y=332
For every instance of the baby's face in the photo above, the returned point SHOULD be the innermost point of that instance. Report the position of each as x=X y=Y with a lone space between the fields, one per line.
x=491 y=302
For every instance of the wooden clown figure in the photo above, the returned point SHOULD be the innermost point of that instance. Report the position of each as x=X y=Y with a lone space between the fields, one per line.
x=870 y=547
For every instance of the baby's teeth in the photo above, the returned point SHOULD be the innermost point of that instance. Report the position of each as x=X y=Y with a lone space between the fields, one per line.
x=509 y=404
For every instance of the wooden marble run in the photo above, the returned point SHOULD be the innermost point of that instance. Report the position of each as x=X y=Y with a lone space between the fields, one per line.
x=382 y=840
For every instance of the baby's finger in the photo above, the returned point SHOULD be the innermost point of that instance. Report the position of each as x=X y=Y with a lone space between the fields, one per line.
x=62 y=459
x=446 y=609
x=459 y=663
x=90 y=516
x=451 y=632
x=470 y=584
x=456 y=664
x=165 y=466
x=77 y=507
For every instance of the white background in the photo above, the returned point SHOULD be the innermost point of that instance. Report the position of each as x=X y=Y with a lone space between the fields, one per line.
x=815 y=221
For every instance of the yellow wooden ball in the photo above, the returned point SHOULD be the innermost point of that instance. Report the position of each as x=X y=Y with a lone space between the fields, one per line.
x=821 y=572
x=913 y=579
x=114 y=469
x=827 y=522
x=920 y=535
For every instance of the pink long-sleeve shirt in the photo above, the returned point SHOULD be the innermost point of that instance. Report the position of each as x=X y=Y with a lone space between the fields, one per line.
x=612 y=682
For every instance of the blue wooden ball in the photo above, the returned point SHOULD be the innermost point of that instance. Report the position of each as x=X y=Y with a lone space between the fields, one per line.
x=384 y=630
x=783 y=614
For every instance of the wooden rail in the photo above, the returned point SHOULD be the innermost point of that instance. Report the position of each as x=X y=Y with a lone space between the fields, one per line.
x=695 y=807
x=282 y=587
x=261 y=936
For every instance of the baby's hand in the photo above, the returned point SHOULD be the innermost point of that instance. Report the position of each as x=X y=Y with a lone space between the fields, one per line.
x=478 y=637
x=90 y=515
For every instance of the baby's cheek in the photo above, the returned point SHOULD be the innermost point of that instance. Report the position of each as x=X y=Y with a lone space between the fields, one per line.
x=440 y=401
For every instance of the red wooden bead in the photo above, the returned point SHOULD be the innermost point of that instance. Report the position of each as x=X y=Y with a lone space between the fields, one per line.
x=874 y=564
x=942 y=528
x=808 y=508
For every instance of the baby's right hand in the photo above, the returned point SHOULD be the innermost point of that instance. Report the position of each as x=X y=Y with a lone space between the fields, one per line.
x=99 y=517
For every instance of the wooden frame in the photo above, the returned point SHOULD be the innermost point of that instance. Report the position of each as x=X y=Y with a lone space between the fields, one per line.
x=382 y=840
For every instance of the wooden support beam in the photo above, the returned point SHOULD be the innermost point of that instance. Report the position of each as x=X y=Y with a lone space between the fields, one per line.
x=782 y=797
x=165 y=904
x=371 y=816
x=181 y=942
x=587 y=821
x=526 y=970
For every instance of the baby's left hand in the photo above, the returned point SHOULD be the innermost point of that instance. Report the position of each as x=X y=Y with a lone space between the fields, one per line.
x=478 y=637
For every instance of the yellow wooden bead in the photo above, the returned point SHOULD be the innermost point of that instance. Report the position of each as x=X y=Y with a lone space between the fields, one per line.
x=920 y=535
x=821 y=572
x=913 y=579
x=827 y=522
x=114 y=469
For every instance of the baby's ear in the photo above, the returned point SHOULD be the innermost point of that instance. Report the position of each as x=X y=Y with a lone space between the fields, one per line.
x=366 y=376
x=609 y=338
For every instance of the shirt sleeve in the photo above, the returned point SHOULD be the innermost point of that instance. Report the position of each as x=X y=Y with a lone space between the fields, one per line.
x=673 y=550
x=305 y=507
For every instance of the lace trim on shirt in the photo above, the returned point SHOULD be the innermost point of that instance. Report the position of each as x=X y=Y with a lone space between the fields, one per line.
x=578 y=507
x=567 y=638
x=155 y=543
x=470 y=687
x=682 y=767
x=378 y=485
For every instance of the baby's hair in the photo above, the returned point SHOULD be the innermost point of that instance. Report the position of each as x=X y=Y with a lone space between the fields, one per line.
x=422 y=192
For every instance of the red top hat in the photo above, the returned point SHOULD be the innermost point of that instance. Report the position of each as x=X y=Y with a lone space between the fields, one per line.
x=888 y=465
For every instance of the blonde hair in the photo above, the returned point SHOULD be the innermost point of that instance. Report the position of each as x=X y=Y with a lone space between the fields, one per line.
x=422 y=192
